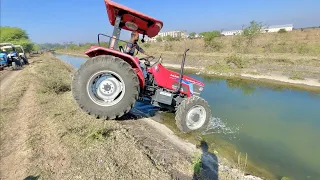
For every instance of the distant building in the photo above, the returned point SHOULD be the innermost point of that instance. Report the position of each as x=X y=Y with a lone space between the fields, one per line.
x=231 y=33
x=276 y=28
x=265 y=29
x=174 y=34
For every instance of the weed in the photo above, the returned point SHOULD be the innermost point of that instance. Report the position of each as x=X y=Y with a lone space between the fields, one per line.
x=302 y=48
x=296 y=76
x=196 y=163
x=213 y=45
x=218 y=67
x=238 y=61
x=99 y=134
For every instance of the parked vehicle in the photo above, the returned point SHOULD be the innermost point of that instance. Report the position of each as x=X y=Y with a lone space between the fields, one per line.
x=13 y=58
x=3 y=60
x=21 y=53
x=110 y=82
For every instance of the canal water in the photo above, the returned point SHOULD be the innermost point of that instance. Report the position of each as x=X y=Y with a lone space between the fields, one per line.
x=278 y=128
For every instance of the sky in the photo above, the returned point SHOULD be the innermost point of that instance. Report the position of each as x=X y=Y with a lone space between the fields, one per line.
x=80 y=21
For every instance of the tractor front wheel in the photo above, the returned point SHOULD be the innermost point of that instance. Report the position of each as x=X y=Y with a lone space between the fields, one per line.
x=105 y=87
x=193 y=114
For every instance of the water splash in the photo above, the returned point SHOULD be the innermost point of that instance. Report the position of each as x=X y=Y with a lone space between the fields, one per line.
x=218 y=126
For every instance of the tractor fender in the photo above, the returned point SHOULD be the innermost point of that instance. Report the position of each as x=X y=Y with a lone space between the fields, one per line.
x=133 y=61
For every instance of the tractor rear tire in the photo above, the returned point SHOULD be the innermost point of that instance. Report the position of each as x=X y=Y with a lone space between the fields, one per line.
x=190 y=110
x=86 y=95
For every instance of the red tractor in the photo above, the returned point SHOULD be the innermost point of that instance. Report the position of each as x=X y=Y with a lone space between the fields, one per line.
x=109 y=83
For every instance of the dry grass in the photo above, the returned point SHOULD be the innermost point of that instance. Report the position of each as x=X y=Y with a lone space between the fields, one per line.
x=299 y=42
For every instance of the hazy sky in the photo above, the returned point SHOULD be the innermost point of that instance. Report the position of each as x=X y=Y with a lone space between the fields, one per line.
x=81 y=20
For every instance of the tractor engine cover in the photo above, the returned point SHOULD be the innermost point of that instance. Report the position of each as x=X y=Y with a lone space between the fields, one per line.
x=163 y=97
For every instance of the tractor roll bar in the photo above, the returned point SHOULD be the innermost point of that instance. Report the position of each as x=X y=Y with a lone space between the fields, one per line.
x=100 y=34
x=181 y=70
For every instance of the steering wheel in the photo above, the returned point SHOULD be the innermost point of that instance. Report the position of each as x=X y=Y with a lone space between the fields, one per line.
x=147 y=58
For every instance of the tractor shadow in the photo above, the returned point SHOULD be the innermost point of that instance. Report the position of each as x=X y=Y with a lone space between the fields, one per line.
x=141 y=110
x=209 y=166
x=32 y=178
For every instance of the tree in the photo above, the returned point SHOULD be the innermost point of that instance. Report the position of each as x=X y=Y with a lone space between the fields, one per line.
x=192 y=35
x=16 y=36
x=251 y=32
x=9 y=34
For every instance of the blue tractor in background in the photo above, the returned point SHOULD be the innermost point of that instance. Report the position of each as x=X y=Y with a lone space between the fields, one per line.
x=10 y=57
x=3 y=60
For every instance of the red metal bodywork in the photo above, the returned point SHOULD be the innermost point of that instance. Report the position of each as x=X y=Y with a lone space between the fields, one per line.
x=138 y=18
x=167 y=78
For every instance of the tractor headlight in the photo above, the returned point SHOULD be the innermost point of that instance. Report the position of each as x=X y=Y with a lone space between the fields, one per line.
x=1 y=59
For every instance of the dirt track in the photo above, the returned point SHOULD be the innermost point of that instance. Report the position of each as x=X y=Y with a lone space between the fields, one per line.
x=6 y=78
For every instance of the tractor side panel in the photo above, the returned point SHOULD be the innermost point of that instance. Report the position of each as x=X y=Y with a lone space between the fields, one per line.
x=169 y=79
x=133 y=61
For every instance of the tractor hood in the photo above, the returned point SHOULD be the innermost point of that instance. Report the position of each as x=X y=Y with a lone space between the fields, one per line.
x=133 y=20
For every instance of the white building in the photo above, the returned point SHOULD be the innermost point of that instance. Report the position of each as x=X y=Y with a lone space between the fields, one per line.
x=231 y=33
x=265 y=29
x=276 y=28
x=174 y=34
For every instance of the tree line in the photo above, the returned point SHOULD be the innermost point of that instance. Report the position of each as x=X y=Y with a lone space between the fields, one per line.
x=17 y=36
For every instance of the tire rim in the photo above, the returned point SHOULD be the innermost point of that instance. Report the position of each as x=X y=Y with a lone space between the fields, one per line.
x=196 y=117
x=106 y=88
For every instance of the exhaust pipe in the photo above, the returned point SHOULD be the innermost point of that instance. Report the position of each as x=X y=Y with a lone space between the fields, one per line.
x=182 y=70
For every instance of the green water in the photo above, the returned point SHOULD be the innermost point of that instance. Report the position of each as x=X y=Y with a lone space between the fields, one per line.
x=278 y=128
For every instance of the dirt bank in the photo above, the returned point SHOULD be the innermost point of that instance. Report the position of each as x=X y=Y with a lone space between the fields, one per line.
x=44 y=135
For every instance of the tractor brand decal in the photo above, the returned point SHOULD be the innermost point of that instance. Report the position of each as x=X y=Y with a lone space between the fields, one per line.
x=189 y=84
x=186 y=80
x=173 y=75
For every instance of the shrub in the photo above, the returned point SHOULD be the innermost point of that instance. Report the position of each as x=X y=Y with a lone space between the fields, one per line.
x=213 y=45
x=282 y=31
x=238 y=61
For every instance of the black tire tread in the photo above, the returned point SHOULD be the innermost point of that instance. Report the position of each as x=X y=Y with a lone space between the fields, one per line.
x=184 y=106
x=128 y=73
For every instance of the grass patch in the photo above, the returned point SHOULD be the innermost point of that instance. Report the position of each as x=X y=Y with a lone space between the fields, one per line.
x=236 y=61
x=196 y=163
x=99 y=134
x=218 y=67
x=54 y=77
x=296 y=76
